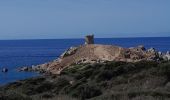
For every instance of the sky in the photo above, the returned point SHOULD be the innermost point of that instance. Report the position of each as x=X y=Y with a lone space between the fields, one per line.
x=52 y=19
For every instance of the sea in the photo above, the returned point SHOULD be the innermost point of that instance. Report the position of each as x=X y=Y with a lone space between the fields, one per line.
x=18 y=53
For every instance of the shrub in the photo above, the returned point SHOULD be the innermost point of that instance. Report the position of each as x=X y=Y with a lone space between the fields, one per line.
x=165 y=69
x=145 y=64
x=60 y=83
x=104 y=75
x=69 y=88
x=84 y=73
x=112 y=65
x=13 y=95
x=44 y=87
x=85 y=91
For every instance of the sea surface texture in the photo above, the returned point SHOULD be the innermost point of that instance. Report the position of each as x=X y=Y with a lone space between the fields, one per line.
x=17 y=53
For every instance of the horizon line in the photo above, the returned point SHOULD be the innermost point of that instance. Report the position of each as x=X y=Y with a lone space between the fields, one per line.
x=83 y=38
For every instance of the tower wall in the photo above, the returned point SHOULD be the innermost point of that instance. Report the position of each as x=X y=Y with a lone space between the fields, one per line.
x=89 y=39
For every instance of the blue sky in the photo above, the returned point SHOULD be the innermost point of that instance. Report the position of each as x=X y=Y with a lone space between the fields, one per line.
x=39 y=19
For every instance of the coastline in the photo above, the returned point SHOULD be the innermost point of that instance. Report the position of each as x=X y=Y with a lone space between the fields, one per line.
x=97 y=53
x=90 y=71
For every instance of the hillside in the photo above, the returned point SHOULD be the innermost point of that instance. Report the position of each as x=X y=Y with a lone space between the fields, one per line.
x=115 y=80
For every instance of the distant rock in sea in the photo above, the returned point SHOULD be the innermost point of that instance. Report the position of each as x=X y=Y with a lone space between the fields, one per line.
x=4 y=70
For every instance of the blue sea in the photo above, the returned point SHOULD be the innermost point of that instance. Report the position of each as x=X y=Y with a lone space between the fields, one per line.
x=17 y=53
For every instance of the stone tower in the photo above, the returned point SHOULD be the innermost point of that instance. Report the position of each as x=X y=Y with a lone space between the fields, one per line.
x=89 y=39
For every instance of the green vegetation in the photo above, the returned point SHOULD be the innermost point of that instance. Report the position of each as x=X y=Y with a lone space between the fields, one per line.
x=143 y=80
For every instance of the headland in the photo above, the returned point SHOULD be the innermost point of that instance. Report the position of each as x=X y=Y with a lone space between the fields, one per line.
x=97 y=72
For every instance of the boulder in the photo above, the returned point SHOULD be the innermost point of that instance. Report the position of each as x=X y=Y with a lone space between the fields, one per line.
x=151 y=50
x=165 y=58
x=168 y=57
x=69 y=52
x=160 y=54
x=35 y=68
x=142 y=47
x=23 y=69
x=4 y=70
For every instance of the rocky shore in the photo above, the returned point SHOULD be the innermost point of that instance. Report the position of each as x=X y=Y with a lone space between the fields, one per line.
x=95 y=53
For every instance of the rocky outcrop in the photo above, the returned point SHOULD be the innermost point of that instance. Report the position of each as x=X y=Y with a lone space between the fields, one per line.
x=151 y=50
x=166 y=56
x=141 y=47
x=95 y=53
x=4 y=70
x=32 y=69
x=69 y=52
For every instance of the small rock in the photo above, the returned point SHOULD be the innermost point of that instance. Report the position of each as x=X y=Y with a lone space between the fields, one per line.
x=165 y=58
x=151 y=50
x=35 y=68
x=168 y=56
x=83 y=60
x=142 y=47
x=160 y=54
x=71 y=82
x=4 y=70
x=23 y=69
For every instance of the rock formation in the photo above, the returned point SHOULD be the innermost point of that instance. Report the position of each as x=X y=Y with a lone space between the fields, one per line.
x=4 y=70
x=69 y=52
x=94 y=53
x=166 y=56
